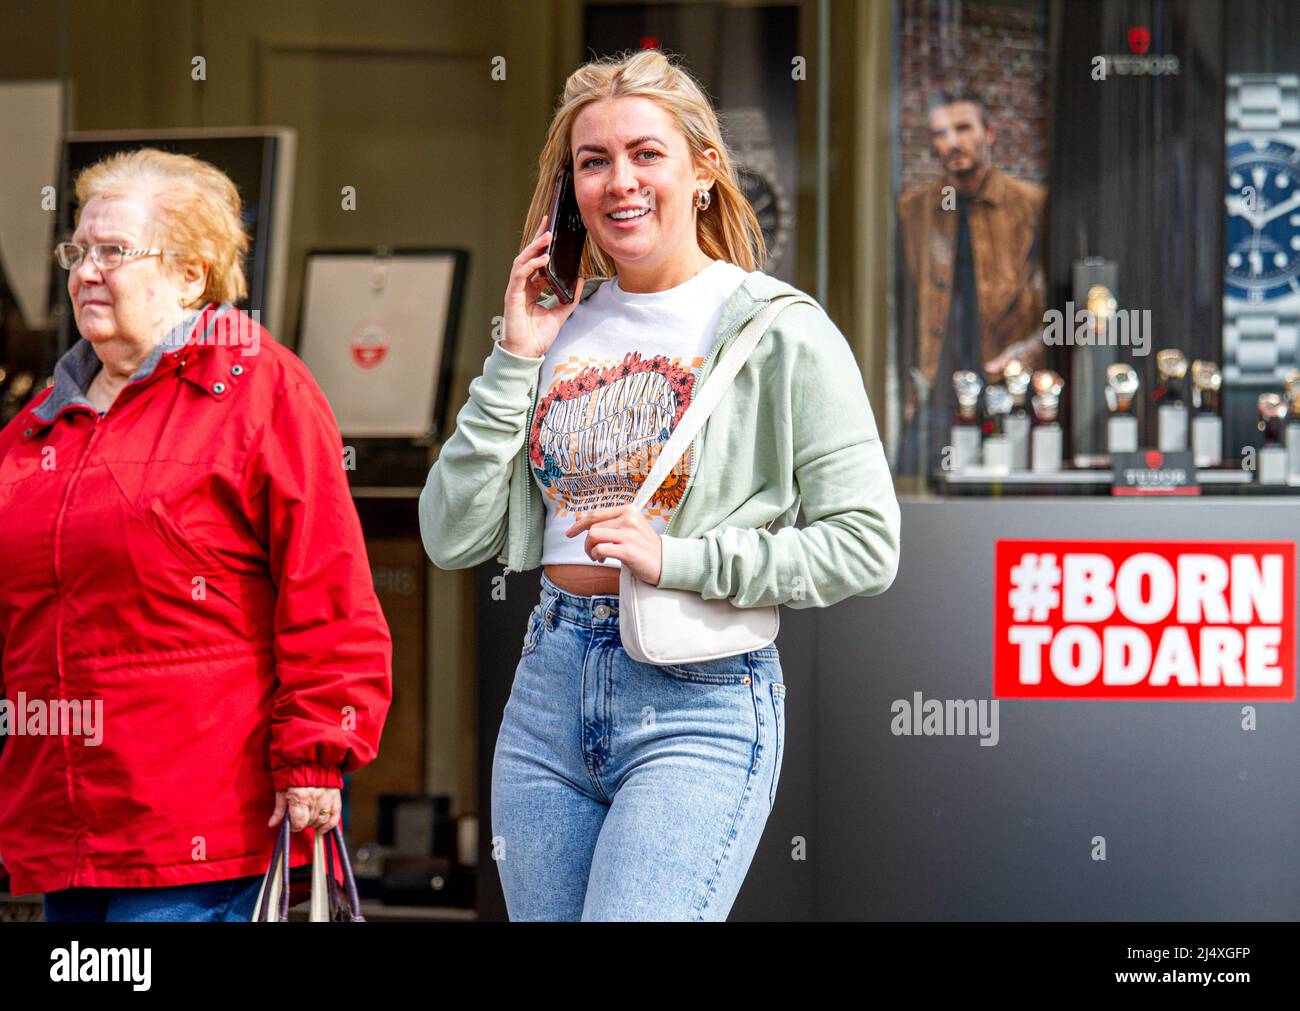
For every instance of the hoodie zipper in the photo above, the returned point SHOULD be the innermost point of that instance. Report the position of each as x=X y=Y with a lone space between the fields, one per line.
x=704 y=374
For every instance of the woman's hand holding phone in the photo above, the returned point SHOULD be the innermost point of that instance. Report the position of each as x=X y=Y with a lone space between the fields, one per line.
x=531 y=328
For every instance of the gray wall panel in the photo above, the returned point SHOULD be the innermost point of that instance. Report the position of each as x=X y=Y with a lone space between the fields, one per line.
x=1201 y=819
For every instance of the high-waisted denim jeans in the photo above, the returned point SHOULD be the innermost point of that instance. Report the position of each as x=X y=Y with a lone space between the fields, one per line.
x=628 y=791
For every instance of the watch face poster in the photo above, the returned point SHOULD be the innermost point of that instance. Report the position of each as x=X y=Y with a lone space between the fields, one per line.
x=1261 y=277
x=376 y=333
x=970 y=172
x=750 y=85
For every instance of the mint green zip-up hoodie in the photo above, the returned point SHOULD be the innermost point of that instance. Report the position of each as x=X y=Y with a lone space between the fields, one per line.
x=794 y=429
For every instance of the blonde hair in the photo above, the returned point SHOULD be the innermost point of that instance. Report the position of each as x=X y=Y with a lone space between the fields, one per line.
x=194 y=208
x=728 y=228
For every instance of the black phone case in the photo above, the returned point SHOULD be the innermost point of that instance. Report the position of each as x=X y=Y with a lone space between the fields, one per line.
x=568 y=237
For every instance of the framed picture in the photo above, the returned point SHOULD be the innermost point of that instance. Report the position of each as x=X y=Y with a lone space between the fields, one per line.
x=970 y=184
x=259 y=161
x=378 y=330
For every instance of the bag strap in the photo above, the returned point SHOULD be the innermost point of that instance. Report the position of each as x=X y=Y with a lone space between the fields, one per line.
x=710 y=395
x=273 y=897
x=335 y=903
x=318 y=909
x=353 y=905
x=326 y=904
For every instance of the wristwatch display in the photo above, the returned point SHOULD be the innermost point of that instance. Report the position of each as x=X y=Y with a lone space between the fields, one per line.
x=751 y=141
x=967 y=386
x=1171 y=364
x=1047 y=396
x=1207 y=381
x=1122 y=384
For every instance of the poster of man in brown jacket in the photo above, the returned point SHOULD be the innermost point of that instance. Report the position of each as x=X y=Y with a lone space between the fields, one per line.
x=971 y=275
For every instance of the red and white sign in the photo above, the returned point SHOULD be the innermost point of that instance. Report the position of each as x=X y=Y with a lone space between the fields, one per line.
x=1149 y=620
x=370 y=346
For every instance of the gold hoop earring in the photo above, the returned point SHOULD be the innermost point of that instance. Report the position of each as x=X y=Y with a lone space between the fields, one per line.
x=702 y=199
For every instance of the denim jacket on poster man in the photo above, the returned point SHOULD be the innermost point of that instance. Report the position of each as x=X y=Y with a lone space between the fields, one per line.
x=794 y=429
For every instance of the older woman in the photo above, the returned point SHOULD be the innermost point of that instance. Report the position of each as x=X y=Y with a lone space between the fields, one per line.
x=191 y=643
x=622 y=789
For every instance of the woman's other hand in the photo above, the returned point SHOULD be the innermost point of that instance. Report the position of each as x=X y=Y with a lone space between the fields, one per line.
x=624 y=533
x=530 y=329
x=318 y=806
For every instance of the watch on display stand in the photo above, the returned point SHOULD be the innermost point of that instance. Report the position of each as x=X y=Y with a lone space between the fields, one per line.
x=1047 y=438
x=1207 y=423
x=1171 y=403
x=966 y=435
x=1122 y=384
x=997 y=442
x=1272 y=465
x=1292 y=430
x=1017 y=378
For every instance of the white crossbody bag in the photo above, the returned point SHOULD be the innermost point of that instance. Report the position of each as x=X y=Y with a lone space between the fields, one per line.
x=663 y=626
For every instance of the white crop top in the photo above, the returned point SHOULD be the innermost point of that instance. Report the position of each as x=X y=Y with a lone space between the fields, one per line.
x=612 y=387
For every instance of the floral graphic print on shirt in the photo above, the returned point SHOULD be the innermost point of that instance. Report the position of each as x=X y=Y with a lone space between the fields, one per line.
x=600 y=426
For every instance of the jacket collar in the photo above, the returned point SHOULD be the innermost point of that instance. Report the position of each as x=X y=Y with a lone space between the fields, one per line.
x=77 y=367
x=992 y=191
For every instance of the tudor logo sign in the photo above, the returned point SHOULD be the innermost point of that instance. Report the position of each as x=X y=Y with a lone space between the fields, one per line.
x=1137 y=62
x=1145 y=620
x=370 y=345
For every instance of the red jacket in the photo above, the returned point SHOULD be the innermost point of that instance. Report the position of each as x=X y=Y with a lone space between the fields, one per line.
x=193 y=561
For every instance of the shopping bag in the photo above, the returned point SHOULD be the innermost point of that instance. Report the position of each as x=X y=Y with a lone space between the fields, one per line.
x=327 y=905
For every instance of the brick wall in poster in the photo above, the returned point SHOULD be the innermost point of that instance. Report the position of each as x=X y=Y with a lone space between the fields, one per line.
x=997 y=47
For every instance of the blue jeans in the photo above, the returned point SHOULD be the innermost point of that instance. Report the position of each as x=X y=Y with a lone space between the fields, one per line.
x=208 y=902
x=628 y=791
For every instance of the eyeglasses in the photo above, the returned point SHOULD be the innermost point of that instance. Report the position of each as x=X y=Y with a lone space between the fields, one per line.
x=104 y=255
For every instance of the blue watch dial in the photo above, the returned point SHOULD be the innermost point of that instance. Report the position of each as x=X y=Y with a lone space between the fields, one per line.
x=1262 y=233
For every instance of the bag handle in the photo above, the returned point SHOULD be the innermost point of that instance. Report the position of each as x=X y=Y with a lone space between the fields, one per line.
x=710 y=395
x=326 y=903
x=273 y=897
x=349 y=907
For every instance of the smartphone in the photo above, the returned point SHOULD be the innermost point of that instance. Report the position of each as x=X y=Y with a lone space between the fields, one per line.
x=568 y=238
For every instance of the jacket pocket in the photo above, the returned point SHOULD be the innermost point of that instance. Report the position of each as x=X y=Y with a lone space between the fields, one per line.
x=174 y=536
x=188 y=550
x=153 y=512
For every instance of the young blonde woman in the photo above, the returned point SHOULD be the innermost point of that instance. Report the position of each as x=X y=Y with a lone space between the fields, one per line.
x=620 y=789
